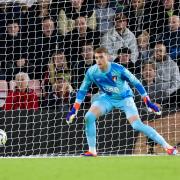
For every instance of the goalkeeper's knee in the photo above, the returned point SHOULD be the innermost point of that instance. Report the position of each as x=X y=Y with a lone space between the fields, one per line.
x=90 y=117
x=150 y=132
x=138 y=125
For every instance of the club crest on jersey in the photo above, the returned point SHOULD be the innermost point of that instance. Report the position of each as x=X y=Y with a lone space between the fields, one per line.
x=114 y=78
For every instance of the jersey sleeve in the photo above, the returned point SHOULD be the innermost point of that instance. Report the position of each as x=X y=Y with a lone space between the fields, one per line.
x=83 y=88
x=129 y=77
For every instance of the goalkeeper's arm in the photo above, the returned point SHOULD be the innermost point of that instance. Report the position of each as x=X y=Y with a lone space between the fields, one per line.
x=79 y=98
x=128 y=76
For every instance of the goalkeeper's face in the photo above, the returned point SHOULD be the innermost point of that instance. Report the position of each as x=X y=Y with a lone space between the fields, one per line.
x=102 y=60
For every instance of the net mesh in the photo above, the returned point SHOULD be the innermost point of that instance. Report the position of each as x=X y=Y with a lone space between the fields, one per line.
x=46 y=47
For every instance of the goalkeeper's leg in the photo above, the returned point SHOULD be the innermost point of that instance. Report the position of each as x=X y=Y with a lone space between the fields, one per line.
x=138 y=125
x=99 y=107
x=132 y=115
x=90 y=129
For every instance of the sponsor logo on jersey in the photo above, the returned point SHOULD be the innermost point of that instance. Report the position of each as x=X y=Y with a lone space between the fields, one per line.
x=111 y=89
x=114 y=78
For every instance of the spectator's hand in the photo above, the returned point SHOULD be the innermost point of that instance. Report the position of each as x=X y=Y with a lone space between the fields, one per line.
x=152 y=107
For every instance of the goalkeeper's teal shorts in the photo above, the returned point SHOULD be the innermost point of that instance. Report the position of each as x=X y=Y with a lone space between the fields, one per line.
x=106 y=104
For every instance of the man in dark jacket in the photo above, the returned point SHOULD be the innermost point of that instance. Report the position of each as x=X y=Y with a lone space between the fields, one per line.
x=78 y=37
x=124 y=58
x=44 y=46
x=11 y=43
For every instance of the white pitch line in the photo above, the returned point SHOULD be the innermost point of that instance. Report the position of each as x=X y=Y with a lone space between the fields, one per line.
x=79 y=156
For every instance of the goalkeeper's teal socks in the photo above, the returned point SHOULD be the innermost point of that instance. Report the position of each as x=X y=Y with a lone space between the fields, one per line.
x=90 y=130
x=150 y=132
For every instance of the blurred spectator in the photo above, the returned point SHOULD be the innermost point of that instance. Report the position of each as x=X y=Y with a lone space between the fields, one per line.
x=154 y=89
x=158 y=15
x=22 y=97
x=167 y=72
x=61 y=97
x=44 y=46
x=56 y=69
x=104 y=15
x=170 y=8
x=35 y=14
x=171 y=37
x=12 y=43
x=14 y=11
x=124 y=58
x=55 y=8
x=2 y=18
x=78 y=37
x=151 y=16
x=85 y=60
x=20 y=64
x=120 y=36
x=121 y=5
x=145 y=52
x=74 y=9
x=137 y=16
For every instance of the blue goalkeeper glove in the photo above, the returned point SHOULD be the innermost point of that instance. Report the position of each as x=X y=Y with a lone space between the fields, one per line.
x=71 y=115
x=151 y=106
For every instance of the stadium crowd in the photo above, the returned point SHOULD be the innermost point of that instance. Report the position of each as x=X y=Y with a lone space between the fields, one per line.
x=53 y=42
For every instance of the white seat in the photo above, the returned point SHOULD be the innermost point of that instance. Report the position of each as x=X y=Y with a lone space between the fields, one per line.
x=3 y=92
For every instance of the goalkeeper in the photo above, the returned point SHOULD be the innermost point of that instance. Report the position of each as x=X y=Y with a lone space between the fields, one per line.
x=112 y=79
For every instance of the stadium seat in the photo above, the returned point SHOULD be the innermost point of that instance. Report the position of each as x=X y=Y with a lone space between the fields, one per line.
x=3 y=92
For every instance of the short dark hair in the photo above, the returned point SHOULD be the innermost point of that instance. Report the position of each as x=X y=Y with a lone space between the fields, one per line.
x=13 y=21
x=148 y=63
x=120 y=16
x=58 y=51
x=20 y=56
x=48 y=18
x=101 y=50
x=124 y=50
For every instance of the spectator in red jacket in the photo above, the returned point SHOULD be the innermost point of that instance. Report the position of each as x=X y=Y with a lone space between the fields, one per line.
x=22 y=97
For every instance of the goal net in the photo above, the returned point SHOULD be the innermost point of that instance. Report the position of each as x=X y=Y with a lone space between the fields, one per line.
x=47 y=46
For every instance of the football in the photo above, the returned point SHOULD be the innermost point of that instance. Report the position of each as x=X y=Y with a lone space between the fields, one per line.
x=3 y=137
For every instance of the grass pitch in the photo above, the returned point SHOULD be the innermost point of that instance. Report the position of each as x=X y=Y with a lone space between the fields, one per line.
x=85 y=168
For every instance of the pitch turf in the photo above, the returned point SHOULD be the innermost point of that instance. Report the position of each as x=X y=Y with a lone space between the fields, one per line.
x=100 y=168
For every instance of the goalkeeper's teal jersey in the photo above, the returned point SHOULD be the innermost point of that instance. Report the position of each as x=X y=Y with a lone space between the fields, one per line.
x=113 y=82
